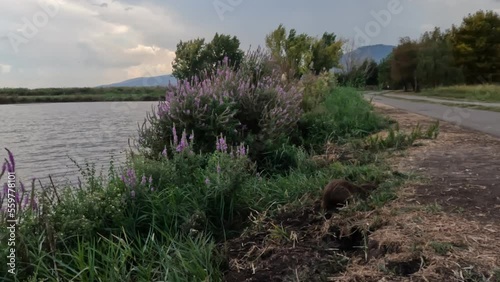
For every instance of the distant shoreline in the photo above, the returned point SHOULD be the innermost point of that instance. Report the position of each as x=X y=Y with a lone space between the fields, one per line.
x=72 y=95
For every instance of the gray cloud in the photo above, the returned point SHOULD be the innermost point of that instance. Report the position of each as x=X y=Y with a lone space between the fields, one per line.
x=93 y=42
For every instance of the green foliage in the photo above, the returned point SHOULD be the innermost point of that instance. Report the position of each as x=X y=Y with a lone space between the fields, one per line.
x=468 y=53
x=55 y=95
x=397 y=139
x=129 y=258
x=344 y=115
x=436 y=63
x=315 y=89
x=325 y=53
x=404 y=64
x=163 y=216
x=360 y=75
x=195 y=58
x=441 y=248
x=257 y=109
x=480 y=92
x=384 y=72
x=297 y=54
x=476 y=47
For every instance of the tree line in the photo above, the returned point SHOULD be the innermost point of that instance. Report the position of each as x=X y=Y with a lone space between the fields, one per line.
x=465 y=54
x=468 y=53
x=291 y=53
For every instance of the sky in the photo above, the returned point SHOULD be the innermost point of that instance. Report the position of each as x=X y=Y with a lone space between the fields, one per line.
x=86 y=43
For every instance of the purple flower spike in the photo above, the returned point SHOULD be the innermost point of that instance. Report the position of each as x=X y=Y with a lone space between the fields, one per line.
x=152 y=189
x=4 y=167
x=12 y=161
x=132 y=194
x=143 y=180
x=9 y=166
x=164 y=153
x=184 y=143
x=22 y=187
x=221 y=144
x=174 y=133
x=207 y=181
x=150 y=179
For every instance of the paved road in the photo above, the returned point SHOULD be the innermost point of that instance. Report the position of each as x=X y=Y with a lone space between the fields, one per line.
x=416 y=97
x=485 y=121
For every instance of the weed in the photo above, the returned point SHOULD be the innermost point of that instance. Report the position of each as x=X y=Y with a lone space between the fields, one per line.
x=434 y=208
x=441 y=248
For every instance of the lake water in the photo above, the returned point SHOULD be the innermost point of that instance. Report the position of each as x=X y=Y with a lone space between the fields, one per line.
x=43 y=137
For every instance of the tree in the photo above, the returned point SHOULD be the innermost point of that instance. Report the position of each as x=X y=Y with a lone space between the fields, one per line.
x=326 y=53
x=290 y=52
x=360 y=75
x=404 y=64
x=196 y=58
x=384 y=72
x=370 y=70
x=296 y=54
x=223 y=46
x=189 y=59
x=476 y=46
x=436 y=64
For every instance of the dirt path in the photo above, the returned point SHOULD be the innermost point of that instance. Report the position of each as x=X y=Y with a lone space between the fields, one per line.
x=448 y=227
x=463 y=167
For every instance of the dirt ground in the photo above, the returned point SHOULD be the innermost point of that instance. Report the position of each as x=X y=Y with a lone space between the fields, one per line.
x=443 y=227
x=463 y=167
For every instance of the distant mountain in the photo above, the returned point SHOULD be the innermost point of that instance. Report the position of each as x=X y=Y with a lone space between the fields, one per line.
x=374 y=52
x=152 y=81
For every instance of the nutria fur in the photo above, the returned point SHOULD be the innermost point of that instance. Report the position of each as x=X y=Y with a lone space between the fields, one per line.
x=339 y=191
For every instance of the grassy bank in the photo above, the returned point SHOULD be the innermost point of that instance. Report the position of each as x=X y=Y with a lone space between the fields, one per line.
x=478 y=93
x=197 y=186
x=57 y=95
x=164 y=219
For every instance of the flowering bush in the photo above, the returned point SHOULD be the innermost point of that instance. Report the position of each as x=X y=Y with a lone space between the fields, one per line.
x=245 y=105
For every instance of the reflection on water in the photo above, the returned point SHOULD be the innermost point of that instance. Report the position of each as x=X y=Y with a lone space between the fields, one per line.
x=43 y=137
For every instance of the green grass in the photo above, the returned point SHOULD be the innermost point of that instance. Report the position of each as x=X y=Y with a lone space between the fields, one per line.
x=441 y=248
x=476 y=93
x=170 y=230
x=58 y=95
x=451 y=104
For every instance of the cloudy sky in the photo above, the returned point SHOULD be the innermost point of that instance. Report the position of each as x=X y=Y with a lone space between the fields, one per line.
x=65 y=43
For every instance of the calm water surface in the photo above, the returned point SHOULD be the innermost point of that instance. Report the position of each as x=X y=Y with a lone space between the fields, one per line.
x=43 y=137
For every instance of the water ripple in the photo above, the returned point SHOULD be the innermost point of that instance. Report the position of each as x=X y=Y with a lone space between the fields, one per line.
x=44 y=136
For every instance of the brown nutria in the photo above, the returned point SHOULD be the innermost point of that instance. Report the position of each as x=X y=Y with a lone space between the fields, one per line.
x=339 y=191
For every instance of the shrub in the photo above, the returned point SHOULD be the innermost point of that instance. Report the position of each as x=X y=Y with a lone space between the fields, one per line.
x=344 y=114
x=315 y=89
x=191 y=191
x=245 y=106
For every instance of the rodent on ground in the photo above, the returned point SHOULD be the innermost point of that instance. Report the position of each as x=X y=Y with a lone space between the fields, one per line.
x=339 y=191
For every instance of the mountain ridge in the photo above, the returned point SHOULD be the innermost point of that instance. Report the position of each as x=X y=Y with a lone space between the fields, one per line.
x=375 y=52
